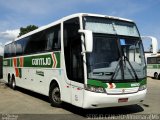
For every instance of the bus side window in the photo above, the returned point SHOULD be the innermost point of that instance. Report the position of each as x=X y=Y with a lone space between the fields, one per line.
x=9 y=50
x=148 y=60
x=19 y=47
x=158 y=60
x=53 y=38
x=6 y=50
x=152 y=60
x=50 y=37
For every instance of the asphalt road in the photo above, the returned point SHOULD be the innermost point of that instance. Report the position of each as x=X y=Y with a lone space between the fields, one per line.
x=30 y=105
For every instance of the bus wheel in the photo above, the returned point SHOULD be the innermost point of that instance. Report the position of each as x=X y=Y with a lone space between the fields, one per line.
x=54 y=96
x=13 y=83
x=159 y=76
x=9 y=80
x=155 y=75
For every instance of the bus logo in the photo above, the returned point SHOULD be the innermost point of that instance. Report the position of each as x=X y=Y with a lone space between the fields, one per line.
x=123 y=90
x=41 y=61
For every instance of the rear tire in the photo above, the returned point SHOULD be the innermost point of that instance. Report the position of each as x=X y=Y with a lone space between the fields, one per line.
x=155 y=75
x=159 y=77
x=54 y=96
x=9 y=80
x=13 y=83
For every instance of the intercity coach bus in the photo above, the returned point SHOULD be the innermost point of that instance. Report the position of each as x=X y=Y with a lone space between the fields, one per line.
x=87 y=60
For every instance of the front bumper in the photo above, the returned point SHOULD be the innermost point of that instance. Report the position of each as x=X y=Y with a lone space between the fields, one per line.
x=102 y=100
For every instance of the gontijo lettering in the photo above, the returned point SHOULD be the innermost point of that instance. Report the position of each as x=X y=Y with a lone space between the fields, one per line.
x=41 y=61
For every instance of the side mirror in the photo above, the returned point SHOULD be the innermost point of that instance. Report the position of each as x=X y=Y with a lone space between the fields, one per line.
x=88 y=39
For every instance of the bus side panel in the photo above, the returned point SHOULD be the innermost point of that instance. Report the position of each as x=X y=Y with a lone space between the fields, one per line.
x=65 y=88
x=7 y=69
x=152 y=69
x=23 y=79
x=41 y=79
x=5 y=74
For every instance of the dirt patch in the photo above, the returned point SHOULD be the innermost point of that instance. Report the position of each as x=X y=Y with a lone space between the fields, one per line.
x=3 y=85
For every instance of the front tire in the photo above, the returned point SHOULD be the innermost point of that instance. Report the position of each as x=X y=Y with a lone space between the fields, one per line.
x=54 y=96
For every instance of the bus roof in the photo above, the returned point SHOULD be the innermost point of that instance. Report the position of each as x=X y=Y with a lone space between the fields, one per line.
x=66 y=18
x=8 y=42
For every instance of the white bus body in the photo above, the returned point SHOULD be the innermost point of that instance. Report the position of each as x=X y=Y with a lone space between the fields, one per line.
x=88 y=60
x=153 y=66
x=152 y=58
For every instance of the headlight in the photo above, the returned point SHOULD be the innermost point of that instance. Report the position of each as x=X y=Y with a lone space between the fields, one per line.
x=143 y=87
x=95 y=89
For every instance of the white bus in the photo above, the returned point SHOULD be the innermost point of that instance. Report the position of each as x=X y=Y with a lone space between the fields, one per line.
x=153 y=66
x=152 y=57
x=87 y=60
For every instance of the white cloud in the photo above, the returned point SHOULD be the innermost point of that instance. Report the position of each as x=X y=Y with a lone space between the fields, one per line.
x=8 y=35
x=1 y=49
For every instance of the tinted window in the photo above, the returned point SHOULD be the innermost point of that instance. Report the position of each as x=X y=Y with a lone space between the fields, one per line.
x=9 y=50
x=158 y=60
x=46 y=40
x=53 y=38
x=13 y=49
x=21 y=45
x=36 y=43
x=6 y=51
x=43 y=41
x=151 y=60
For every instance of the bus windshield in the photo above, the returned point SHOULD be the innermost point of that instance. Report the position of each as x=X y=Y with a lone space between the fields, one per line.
x=117 y=51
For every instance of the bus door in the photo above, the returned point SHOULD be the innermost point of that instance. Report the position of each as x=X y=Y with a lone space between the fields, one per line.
x=74 y=60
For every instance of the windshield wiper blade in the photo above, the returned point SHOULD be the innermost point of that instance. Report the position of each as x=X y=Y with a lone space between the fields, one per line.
x=116 y=69
x=134 y=72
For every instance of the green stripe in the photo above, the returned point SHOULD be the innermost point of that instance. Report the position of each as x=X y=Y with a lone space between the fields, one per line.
x=153 y=66
x=125 y=85
x=96 y=83
x=118 y=85
x=57 y=54
x=7 y=62
x=43 y=60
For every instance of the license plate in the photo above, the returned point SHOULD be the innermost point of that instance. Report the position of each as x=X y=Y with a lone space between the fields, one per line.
x=122 y=100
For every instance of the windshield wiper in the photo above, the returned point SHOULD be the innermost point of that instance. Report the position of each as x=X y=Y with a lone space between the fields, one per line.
x=134 y=72
x=116 y=69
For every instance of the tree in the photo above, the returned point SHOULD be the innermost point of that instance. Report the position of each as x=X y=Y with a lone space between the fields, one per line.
x=27 y=29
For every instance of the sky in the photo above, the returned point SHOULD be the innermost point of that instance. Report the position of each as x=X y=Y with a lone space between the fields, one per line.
x=21 y=13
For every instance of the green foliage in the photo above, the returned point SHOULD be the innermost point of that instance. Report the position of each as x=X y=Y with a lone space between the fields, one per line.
x=27 y=29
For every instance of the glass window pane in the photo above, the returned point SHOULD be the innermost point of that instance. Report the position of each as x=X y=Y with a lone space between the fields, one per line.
x=124 y=28
x=53 y=38
x=110 y=26
x=99 y=25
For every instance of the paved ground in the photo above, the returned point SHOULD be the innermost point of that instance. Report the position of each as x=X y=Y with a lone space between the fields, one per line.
x=26 y=102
